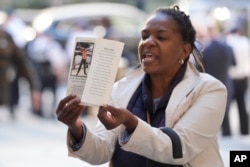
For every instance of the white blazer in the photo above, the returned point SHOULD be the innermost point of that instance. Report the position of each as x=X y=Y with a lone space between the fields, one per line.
x=195 y=112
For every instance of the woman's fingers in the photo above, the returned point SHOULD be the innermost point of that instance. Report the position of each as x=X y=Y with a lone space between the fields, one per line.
x=69 y=108
x=112 y=110
x=111 y=116
x=102 y=112
x=75 y=112
x=65 y=101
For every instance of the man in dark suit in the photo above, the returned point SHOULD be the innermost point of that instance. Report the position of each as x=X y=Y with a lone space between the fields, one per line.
x=217 y=59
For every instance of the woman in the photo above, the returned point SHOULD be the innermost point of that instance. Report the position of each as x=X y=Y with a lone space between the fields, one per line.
x=165 y=113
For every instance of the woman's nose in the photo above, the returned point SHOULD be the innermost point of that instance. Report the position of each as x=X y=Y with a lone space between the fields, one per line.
x=149 y=41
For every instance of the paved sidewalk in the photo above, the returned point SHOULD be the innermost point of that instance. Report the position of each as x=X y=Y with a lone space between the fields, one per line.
x=30 y=141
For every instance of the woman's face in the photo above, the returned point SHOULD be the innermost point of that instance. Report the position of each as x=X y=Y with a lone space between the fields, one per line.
x=161 y=46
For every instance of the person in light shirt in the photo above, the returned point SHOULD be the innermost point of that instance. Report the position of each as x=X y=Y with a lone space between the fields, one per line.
x=240 y=74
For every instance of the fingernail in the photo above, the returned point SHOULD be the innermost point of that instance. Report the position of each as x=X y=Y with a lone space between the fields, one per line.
x=105 y=105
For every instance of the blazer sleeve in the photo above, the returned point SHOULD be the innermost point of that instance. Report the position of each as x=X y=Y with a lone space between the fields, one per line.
x=98 y=146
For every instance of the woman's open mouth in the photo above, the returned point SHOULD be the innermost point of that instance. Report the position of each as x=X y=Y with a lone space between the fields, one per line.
x=148 y=58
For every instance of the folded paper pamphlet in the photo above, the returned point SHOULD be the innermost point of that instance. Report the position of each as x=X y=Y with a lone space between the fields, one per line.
x=93 y=69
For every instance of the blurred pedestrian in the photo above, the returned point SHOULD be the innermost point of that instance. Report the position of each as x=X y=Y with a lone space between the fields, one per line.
x=218 y=57
x=164 y=113
x=240 y=74
x=15 y=27
x=50 y=60
x=12 y=62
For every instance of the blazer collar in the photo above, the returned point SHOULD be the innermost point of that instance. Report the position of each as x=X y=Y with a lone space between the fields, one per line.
x=127 y=86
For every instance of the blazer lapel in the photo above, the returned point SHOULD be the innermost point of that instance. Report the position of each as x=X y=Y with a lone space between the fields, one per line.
x=180 y=93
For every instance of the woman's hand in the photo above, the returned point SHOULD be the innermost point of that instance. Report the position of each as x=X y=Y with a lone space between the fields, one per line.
x=68 y=112
x=112 y=117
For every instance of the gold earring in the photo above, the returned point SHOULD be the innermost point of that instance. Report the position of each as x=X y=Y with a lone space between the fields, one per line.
x=181 y=61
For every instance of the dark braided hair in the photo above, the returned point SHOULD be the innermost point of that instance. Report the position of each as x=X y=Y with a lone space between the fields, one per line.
x=186 y=30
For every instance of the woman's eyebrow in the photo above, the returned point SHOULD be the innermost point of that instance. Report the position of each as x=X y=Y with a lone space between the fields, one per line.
x=163 y=31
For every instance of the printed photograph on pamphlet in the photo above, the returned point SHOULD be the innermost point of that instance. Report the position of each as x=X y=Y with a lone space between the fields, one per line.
x=82 y=59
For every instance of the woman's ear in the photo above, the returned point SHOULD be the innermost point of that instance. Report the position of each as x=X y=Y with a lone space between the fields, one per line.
x=187 y=49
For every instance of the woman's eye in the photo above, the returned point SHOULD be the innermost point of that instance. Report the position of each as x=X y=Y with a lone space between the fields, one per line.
x=144 y=37
x=161 y=38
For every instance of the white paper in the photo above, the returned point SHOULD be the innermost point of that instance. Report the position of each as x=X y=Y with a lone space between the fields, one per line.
x=103 y=58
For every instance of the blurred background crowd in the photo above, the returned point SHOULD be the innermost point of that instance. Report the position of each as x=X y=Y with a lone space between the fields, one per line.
x=37 y=41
